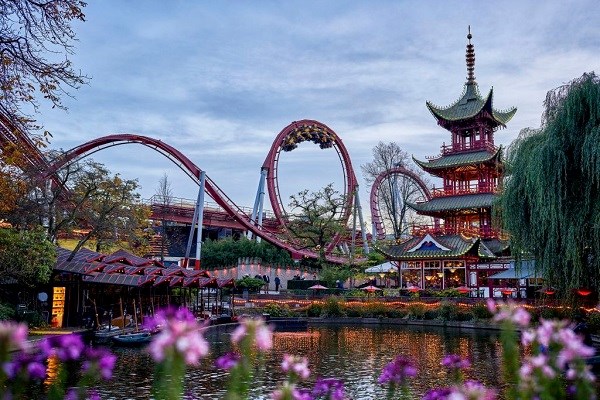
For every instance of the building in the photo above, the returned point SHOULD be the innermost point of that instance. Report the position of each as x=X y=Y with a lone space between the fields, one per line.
x=462 y=247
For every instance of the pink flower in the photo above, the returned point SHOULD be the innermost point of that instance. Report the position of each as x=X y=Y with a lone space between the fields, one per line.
x=509 y=312
x=295 y=365
x=260 y=334
x=14 y=335
x=180 y=334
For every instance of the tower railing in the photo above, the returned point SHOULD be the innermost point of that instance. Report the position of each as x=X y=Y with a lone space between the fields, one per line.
x=471 y=146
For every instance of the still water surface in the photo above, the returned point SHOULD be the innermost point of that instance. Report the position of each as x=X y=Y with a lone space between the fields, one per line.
x=355 y=354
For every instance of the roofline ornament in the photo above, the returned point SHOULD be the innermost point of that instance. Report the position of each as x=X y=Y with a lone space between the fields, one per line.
x=470 y=56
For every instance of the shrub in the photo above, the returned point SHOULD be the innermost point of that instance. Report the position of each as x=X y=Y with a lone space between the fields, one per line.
x=375 y=310
x=593 y=320
x=396 y=313
x=431 y=314
x=464 y=316
x=480 y=311
x=314 y=310
x=277 y=310
x=6 y=312
x=416 y=311
x=447 y=311
x=332 y=308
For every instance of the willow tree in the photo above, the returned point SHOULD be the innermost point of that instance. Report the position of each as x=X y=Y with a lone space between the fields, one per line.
x=551 y=200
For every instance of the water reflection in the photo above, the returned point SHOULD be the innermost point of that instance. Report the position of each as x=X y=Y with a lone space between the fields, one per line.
x=354 y=354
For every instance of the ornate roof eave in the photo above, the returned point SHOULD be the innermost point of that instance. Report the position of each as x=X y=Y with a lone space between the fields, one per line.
x=432 y=166
x=472 y=247
x=473 y=202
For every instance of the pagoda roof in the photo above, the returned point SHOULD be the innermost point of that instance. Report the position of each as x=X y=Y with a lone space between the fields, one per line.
x=451 y=203
x=469 y=105
x=458 y=159
x=450 y=246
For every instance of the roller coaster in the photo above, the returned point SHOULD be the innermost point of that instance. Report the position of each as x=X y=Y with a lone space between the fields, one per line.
x=287 y=140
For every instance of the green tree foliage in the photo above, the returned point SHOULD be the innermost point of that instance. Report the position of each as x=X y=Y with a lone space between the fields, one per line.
x=26 y=256
x=315 y=218
x=333 y=273
x=551 y=199
x=225 y=253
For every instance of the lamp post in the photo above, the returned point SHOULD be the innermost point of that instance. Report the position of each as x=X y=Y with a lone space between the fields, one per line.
x=381 y=276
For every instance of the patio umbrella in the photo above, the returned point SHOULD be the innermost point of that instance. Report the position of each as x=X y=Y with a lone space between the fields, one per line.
x=371 y=288
x=318 y=287
x=414 y=289
x=463 y=289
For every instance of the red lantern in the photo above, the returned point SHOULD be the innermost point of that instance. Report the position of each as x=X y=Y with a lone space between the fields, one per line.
x=584 y=292
x=463 y=289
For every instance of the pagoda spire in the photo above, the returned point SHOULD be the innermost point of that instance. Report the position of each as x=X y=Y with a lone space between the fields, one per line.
x=470 y=60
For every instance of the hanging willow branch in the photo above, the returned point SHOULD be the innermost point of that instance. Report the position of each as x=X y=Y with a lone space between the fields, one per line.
x=551 y=199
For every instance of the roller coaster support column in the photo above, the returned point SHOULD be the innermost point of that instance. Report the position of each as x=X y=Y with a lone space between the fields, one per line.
x=197 y=219
x=363 y=229
x=257 y=210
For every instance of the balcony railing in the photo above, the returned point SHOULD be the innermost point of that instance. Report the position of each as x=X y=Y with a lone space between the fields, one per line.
x=470 y=146
x=475 y=188
x=471 y=231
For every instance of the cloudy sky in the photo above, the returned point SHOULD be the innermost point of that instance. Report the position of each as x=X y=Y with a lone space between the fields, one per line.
x=219 y=79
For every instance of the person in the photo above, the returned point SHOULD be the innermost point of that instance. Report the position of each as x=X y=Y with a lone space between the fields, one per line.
x=277 y=283
x=266 y=279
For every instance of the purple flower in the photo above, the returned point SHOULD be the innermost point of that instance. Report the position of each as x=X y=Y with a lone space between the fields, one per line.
x=438 y=394
x=100 y=360
x=454 y=361
x=65 y=347
x=290 y=391
x=397 y=371
x=227 y=361
x=30 y=366
x=331 y=388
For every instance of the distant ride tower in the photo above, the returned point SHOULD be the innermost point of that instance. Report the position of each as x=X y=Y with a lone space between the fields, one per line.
x=450 y=253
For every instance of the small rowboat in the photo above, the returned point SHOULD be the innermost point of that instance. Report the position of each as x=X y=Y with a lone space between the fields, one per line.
x=133 y=339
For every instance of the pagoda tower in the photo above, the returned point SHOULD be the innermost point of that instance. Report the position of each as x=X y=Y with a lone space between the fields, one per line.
x=462 y=248
x=471 y=166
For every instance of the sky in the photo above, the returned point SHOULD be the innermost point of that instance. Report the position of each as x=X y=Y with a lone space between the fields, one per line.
x=218 y=80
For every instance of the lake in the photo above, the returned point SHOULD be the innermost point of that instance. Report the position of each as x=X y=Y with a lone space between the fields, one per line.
x=355 y=354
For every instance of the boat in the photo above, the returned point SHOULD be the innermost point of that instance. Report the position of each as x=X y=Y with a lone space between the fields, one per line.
x=133 y=339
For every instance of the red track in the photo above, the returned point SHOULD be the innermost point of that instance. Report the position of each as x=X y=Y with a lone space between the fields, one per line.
x=374 y=198
x=212 y=189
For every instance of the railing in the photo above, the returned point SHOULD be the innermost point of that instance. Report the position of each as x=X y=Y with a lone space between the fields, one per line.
x=483 y=231
x=478 y=145
x=470 y=189
x=178 y=202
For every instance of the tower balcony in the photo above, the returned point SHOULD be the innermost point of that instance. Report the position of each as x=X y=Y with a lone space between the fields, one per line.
x=469 y=146
x=476 y=188
x=484 y=232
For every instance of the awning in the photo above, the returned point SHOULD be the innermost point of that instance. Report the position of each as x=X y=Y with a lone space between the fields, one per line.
x=382 y=268
x=525 y=270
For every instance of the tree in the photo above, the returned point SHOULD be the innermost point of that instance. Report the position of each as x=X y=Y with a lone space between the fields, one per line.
x=396 y=191
x=164 y=199
x=26 y=257
x=551 y=199
x=35 y=41
x=225 y=253
x=315 y=218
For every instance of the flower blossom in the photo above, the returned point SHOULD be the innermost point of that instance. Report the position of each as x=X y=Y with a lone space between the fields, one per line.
x=398 y=371
x=330 y=388
x=100 y=360
x=65 y=347
x=227 y=361
x=30 y=366
x=295 y=365
x=180 y=334
x=289 y=390
x=509 y=312
x=13 y=336
x=260 y=334
x=454 y=361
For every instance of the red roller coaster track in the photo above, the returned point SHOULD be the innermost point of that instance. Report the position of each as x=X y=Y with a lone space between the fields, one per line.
x=212 y=189
x=374 y=198
x=287 y=140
